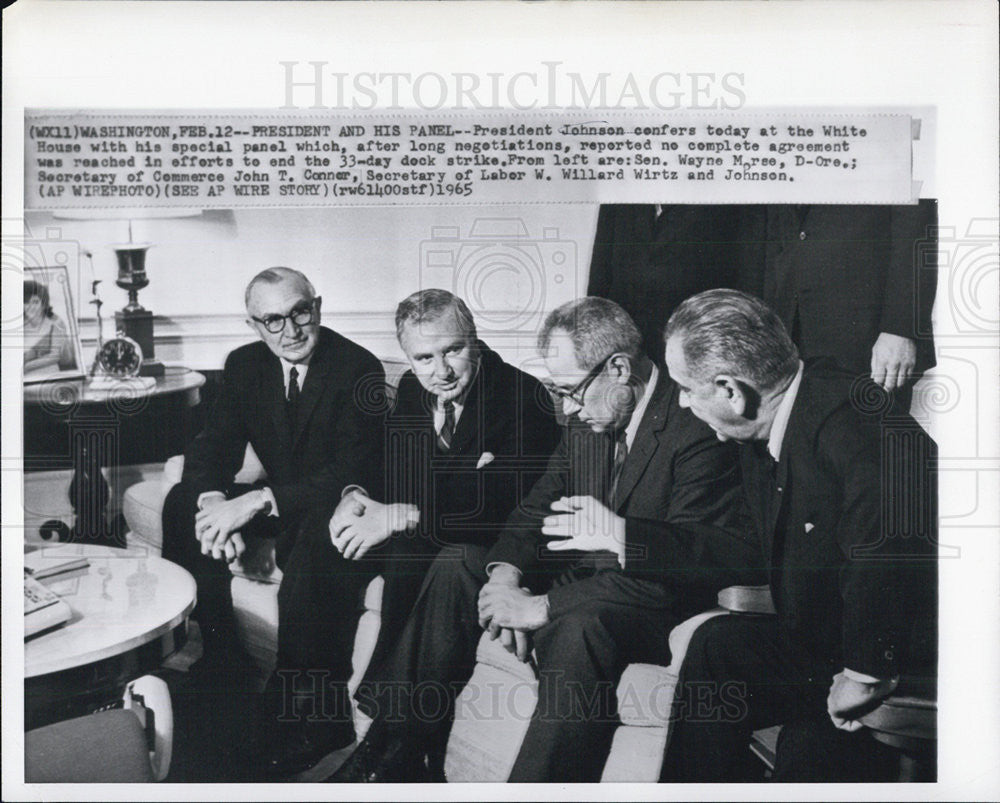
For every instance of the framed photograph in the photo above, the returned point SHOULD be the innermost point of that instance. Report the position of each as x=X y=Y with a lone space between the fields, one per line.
x=51 y=341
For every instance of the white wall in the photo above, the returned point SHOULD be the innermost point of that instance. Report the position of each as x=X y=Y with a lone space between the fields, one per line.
x=362 y=261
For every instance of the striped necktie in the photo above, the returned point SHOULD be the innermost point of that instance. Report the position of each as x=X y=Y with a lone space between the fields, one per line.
x=447 y=431
x=621 y=455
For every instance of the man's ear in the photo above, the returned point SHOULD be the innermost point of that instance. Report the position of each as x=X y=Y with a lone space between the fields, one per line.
x=319 y=305
x=620 y=367
x=734 y=392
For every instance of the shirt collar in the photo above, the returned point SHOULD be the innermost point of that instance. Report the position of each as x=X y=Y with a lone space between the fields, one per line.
x=640 y=408
x=780 y=423
x=301 y=367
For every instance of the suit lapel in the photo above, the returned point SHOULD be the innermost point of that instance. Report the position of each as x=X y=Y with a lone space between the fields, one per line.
x=799 y=420
x=469 y=426
x=272 y=384
x=776 y=493
x=589 y=455
x=647 y=439
x=312 y=389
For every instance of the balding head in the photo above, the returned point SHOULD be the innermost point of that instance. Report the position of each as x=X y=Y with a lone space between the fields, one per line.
x=272 y=298
x=280 y=274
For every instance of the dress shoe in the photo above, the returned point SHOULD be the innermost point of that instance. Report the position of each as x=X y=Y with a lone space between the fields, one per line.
x=395 y=763
x=295 y=748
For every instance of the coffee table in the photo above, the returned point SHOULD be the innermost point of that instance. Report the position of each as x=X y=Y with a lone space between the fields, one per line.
x=130 y=612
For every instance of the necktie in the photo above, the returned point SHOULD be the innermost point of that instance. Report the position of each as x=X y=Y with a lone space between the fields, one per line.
x=770 y=498
x=293 y=394
x=621 y=454
x=447 y=427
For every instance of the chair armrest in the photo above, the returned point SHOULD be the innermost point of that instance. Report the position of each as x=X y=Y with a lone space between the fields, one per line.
x=149 y=699
x=747 y=599
x=908 y=716
x=173 y=469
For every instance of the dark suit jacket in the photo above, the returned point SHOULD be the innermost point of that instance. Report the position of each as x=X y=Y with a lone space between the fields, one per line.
x=508 y=414
x=677 y=474
x=337 y=439
x=839 y=275
x=650 y=264
x=849 y=528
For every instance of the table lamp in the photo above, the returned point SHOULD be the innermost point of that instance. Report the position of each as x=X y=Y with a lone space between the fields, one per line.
x=135 y=320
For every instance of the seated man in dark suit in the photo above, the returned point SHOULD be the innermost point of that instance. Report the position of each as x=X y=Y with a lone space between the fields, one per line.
x=467 y=437
x=292 y=396
x=845 y=506
x=632 y=447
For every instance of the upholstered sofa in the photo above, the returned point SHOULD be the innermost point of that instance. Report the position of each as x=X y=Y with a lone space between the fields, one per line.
x=493 y=711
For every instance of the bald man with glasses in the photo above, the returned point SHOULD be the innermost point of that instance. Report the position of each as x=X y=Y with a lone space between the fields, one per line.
x=294 y=396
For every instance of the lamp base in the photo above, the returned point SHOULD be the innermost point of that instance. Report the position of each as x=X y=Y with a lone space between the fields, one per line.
x=138 y=325
x=152 y=368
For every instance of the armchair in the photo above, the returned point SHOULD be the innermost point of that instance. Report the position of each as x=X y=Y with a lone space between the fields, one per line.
x=131 y=744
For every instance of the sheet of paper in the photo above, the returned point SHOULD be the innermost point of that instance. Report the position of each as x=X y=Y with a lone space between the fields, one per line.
x=381 y=146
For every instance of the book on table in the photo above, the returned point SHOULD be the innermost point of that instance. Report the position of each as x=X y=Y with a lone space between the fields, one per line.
x=43 y=608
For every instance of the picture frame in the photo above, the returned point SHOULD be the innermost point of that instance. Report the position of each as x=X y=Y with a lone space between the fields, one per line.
x=50 y=337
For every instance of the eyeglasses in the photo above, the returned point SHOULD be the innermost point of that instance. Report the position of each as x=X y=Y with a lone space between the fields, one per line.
x=577 y=393
x=300 y=316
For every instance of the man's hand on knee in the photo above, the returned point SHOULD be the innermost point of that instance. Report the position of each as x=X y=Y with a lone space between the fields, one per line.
x=220 y=519
x=517 y=642
x=234 y=549
x=505 y=606
x=505 y=574
x=229 y=547
x=360 y=523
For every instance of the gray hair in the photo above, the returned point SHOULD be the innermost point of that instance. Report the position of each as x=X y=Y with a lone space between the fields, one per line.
x=729 y=332
x=430 y=305
x=276 y=275
x=598 y=328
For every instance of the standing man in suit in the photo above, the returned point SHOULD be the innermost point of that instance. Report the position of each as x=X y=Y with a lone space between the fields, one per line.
x=650 y=257
x=856 y=283
x=467 y=438
x=631 y=450
x=846 y=511
x=293 y=397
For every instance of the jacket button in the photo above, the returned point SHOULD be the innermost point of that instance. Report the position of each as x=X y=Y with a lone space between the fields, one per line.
x=780 y=490
x=889 y=655
x=802 y=235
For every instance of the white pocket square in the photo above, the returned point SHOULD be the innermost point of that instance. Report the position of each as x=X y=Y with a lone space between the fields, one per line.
x=484 y=460
x=810 y=526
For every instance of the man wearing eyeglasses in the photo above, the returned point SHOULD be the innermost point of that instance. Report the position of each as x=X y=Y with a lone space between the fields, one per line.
x=293 y=397
x=629 y=451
